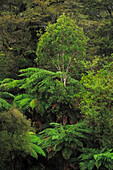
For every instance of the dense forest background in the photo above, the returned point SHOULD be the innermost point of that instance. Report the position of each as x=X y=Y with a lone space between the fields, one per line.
x=56 y=84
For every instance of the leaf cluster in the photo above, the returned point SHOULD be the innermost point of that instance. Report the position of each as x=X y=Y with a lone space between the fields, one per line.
x=17 y=138
x=66 y=139
x=5 y=100
x=96 y=159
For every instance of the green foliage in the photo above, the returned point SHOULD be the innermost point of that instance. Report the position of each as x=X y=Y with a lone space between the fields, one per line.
x=97 y=102
x=96 y=159
x=16 y=140
x=49 y=93
x=104 y=160
x=100 y=13
x=44 y=92
x=34 y=148
x=14 y=135
x=6 y=95
x=20 y=21
x=64 y=138
x=98 y=9
x=62 y=42
x=5 y=98
x=14 y=39
x=9 y=84
x=4 y=105
x=2 y=57
x=25 y=101
x=87 y=158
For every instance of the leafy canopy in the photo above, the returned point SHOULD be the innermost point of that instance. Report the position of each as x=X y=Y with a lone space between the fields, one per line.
x=96 y=159
x=64 y=138
x=44 y=92
x=97 y=102
x=60 y=45
x=16 y=137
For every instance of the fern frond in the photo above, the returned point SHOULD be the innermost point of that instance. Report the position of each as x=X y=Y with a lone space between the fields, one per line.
x=93 y=158
x=34 y=148
x=4 y=105
x=33 y=138
x=24 y=101
x=33 y=153
x=6 y=95
x=37 y=149
x=67 y=136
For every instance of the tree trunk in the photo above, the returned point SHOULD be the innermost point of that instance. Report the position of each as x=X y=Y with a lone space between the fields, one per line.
x=65 y=79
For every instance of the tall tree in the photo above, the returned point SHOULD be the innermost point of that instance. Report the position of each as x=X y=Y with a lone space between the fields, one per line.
x=97 y=103
x=62 y=44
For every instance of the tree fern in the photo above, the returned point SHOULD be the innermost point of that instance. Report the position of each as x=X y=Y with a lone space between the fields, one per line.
x=5 y=100
x=65 y=138
x=33 y=76
x=35 y=149
x=104 y=160
x=96 y=159
x=24 y=101
x=46 y=88
x=9 y=84
x=4 y=105
x=6 y=95
x=87 y=158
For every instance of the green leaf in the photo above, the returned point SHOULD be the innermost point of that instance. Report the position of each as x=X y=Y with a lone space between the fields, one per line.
x=33 y=103
x=33 y=153
x=37 y=149
x=66 y=153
